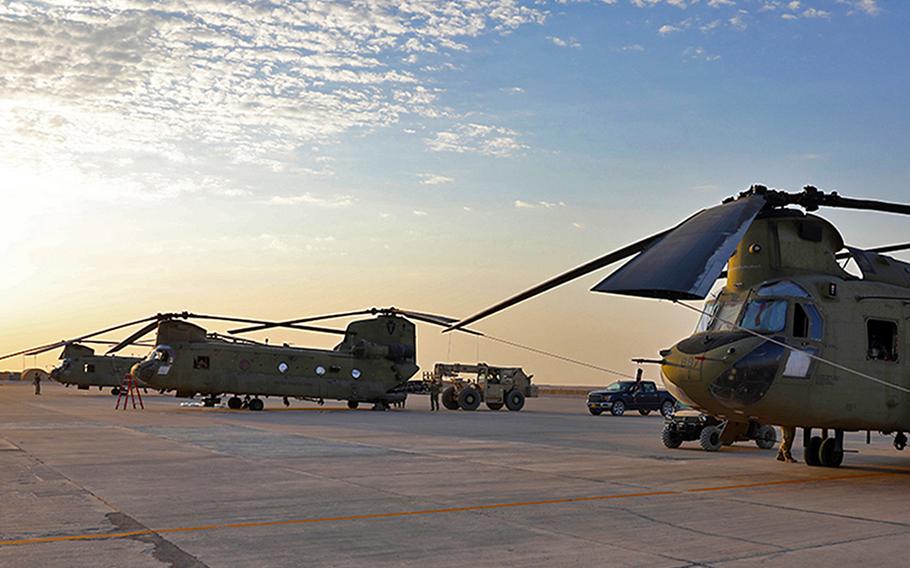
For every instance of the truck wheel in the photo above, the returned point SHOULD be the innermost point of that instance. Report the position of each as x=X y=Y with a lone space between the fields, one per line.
x=515 y=400
x=644 y=412
x=766 y=437
x=494 y=405
x=670 y=438
x=595 y=411
x=469 y=399
x=449 y=398
x=668 y=408
x=618 y=408
x=710 y=439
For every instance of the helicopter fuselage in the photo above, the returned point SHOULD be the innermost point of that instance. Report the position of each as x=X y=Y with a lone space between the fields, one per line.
x=793 y=339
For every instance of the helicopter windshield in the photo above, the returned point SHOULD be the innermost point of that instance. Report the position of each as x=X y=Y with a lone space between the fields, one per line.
x=162 y=354
x=765 y=316
x=724 y=315
x=707 y=316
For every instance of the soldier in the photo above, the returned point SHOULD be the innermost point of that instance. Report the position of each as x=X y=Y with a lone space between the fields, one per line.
x=434 y=394
x=37 y=382
x=783 y=454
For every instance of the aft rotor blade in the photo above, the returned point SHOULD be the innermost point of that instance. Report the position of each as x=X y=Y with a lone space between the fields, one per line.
x=685 y=264
x=563 y=278
x=35 y=350
x=135 y=336
x=441 y=321
x=268 y=325
x=835 y=200
x=879 y=250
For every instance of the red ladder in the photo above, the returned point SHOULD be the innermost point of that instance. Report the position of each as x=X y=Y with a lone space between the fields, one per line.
x=129 y=391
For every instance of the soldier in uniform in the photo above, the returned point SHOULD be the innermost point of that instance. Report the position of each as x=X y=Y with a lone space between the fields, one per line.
x=434 y=394
x=37 y=382
x=783 y=454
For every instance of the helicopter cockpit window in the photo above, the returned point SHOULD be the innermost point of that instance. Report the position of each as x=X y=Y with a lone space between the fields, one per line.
x=783 y=288
x=725 y=315
x=807 y=322
x=765 y=316
x=707 y=316
x=882 y=336
x=162 y=354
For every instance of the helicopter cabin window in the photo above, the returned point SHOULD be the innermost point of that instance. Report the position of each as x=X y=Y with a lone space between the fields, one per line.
x=89 y=368
x=783 y=288
x=882 y=335
x=807 y=322
x=765 y=316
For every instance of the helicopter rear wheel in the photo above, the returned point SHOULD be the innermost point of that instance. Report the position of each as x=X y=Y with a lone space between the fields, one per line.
x=256 y=404
x=234 y=403
x=766 y=437
x=352 y=404
x=114 y=391
x=811 y=452
x=828 y=454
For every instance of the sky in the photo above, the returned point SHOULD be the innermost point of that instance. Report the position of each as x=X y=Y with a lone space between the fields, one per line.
x=280 y=159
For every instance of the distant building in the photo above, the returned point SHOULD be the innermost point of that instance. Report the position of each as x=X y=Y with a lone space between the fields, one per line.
x=10 y=376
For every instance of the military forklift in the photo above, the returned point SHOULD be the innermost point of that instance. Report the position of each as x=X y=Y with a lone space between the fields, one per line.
x=496 y=386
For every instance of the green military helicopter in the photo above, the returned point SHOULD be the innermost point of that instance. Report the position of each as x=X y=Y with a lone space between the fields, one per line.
x=792 y=339
x=80 y=366
x=371 y=364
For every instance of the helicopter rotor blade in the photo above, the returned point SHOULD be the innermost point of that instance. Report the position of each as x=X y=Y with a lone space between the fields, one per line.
x=135 y=336
x=268 y=325
x=686 y=263
x=877 y=250
x=563 y=278
x=51 y=346
x=433 y=319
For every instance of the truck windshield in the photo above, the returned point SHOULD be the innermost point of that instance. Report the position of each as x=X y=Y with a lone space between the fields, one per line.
x=765 y=316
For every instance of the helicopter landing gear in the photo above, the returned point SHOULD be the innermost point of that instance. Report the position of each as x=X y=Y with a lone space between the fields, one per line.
x=256 y=404
x=381 y=405
x=352 y=404
x=286 y=401
x=823 y=450
x=210 y=401
x=234 y=403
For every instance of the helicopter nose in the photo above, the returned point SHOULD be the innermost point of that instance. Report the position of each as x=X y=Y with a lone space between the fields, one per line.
x=143 y=370
x=720 y=372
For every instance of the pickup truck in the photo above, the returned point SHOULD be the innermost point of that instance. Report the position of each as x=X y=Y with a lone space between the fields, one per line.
x=642 y=396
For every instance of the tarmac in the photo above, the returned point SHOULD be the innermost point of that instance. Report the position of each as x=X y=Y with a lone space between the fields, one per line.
x=82 y=484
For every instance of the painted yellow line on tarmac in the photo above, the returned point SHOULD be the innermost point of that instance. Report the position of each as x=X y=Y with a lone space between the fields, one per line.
x=423 y=512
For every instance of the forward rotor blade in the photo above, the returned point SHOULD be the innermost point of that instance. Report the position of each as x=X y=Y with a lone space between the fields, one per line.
x=835 y=200
x=879 y=250
x=685 y=264
x=441 y=321
x=268 y=325
x=563 y=278
x=51 y=346
x=138 y=334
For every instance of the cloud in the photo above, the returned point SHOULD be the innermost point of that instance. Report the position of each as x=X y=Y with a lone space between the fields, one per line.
x=699 y=54
x=667 y=29
x=434 y=179
x=633 y=47
x=560 y=42
x=719 y=3
x=310 y=199
x=176 y=84
x=420 y=213
x=477 y=139
x=520 y=204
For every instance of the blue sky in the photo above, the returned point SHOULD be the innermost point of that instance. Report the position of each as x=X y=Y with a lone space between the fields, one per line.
x=265 y=157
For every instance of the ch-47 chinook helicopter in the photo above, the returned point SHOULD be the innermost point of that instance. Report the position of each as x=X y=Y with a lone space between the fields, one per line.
x=792 y=339
x=80 y=366
x=371 y=364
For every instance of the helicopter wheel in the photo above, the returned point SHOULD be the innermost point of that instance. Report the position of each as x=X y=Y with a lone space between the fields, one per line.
x=234 y=403
x=352 y=404
x=829 y=455
x=811 y=452
x=256 y=404
x=114 y=391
